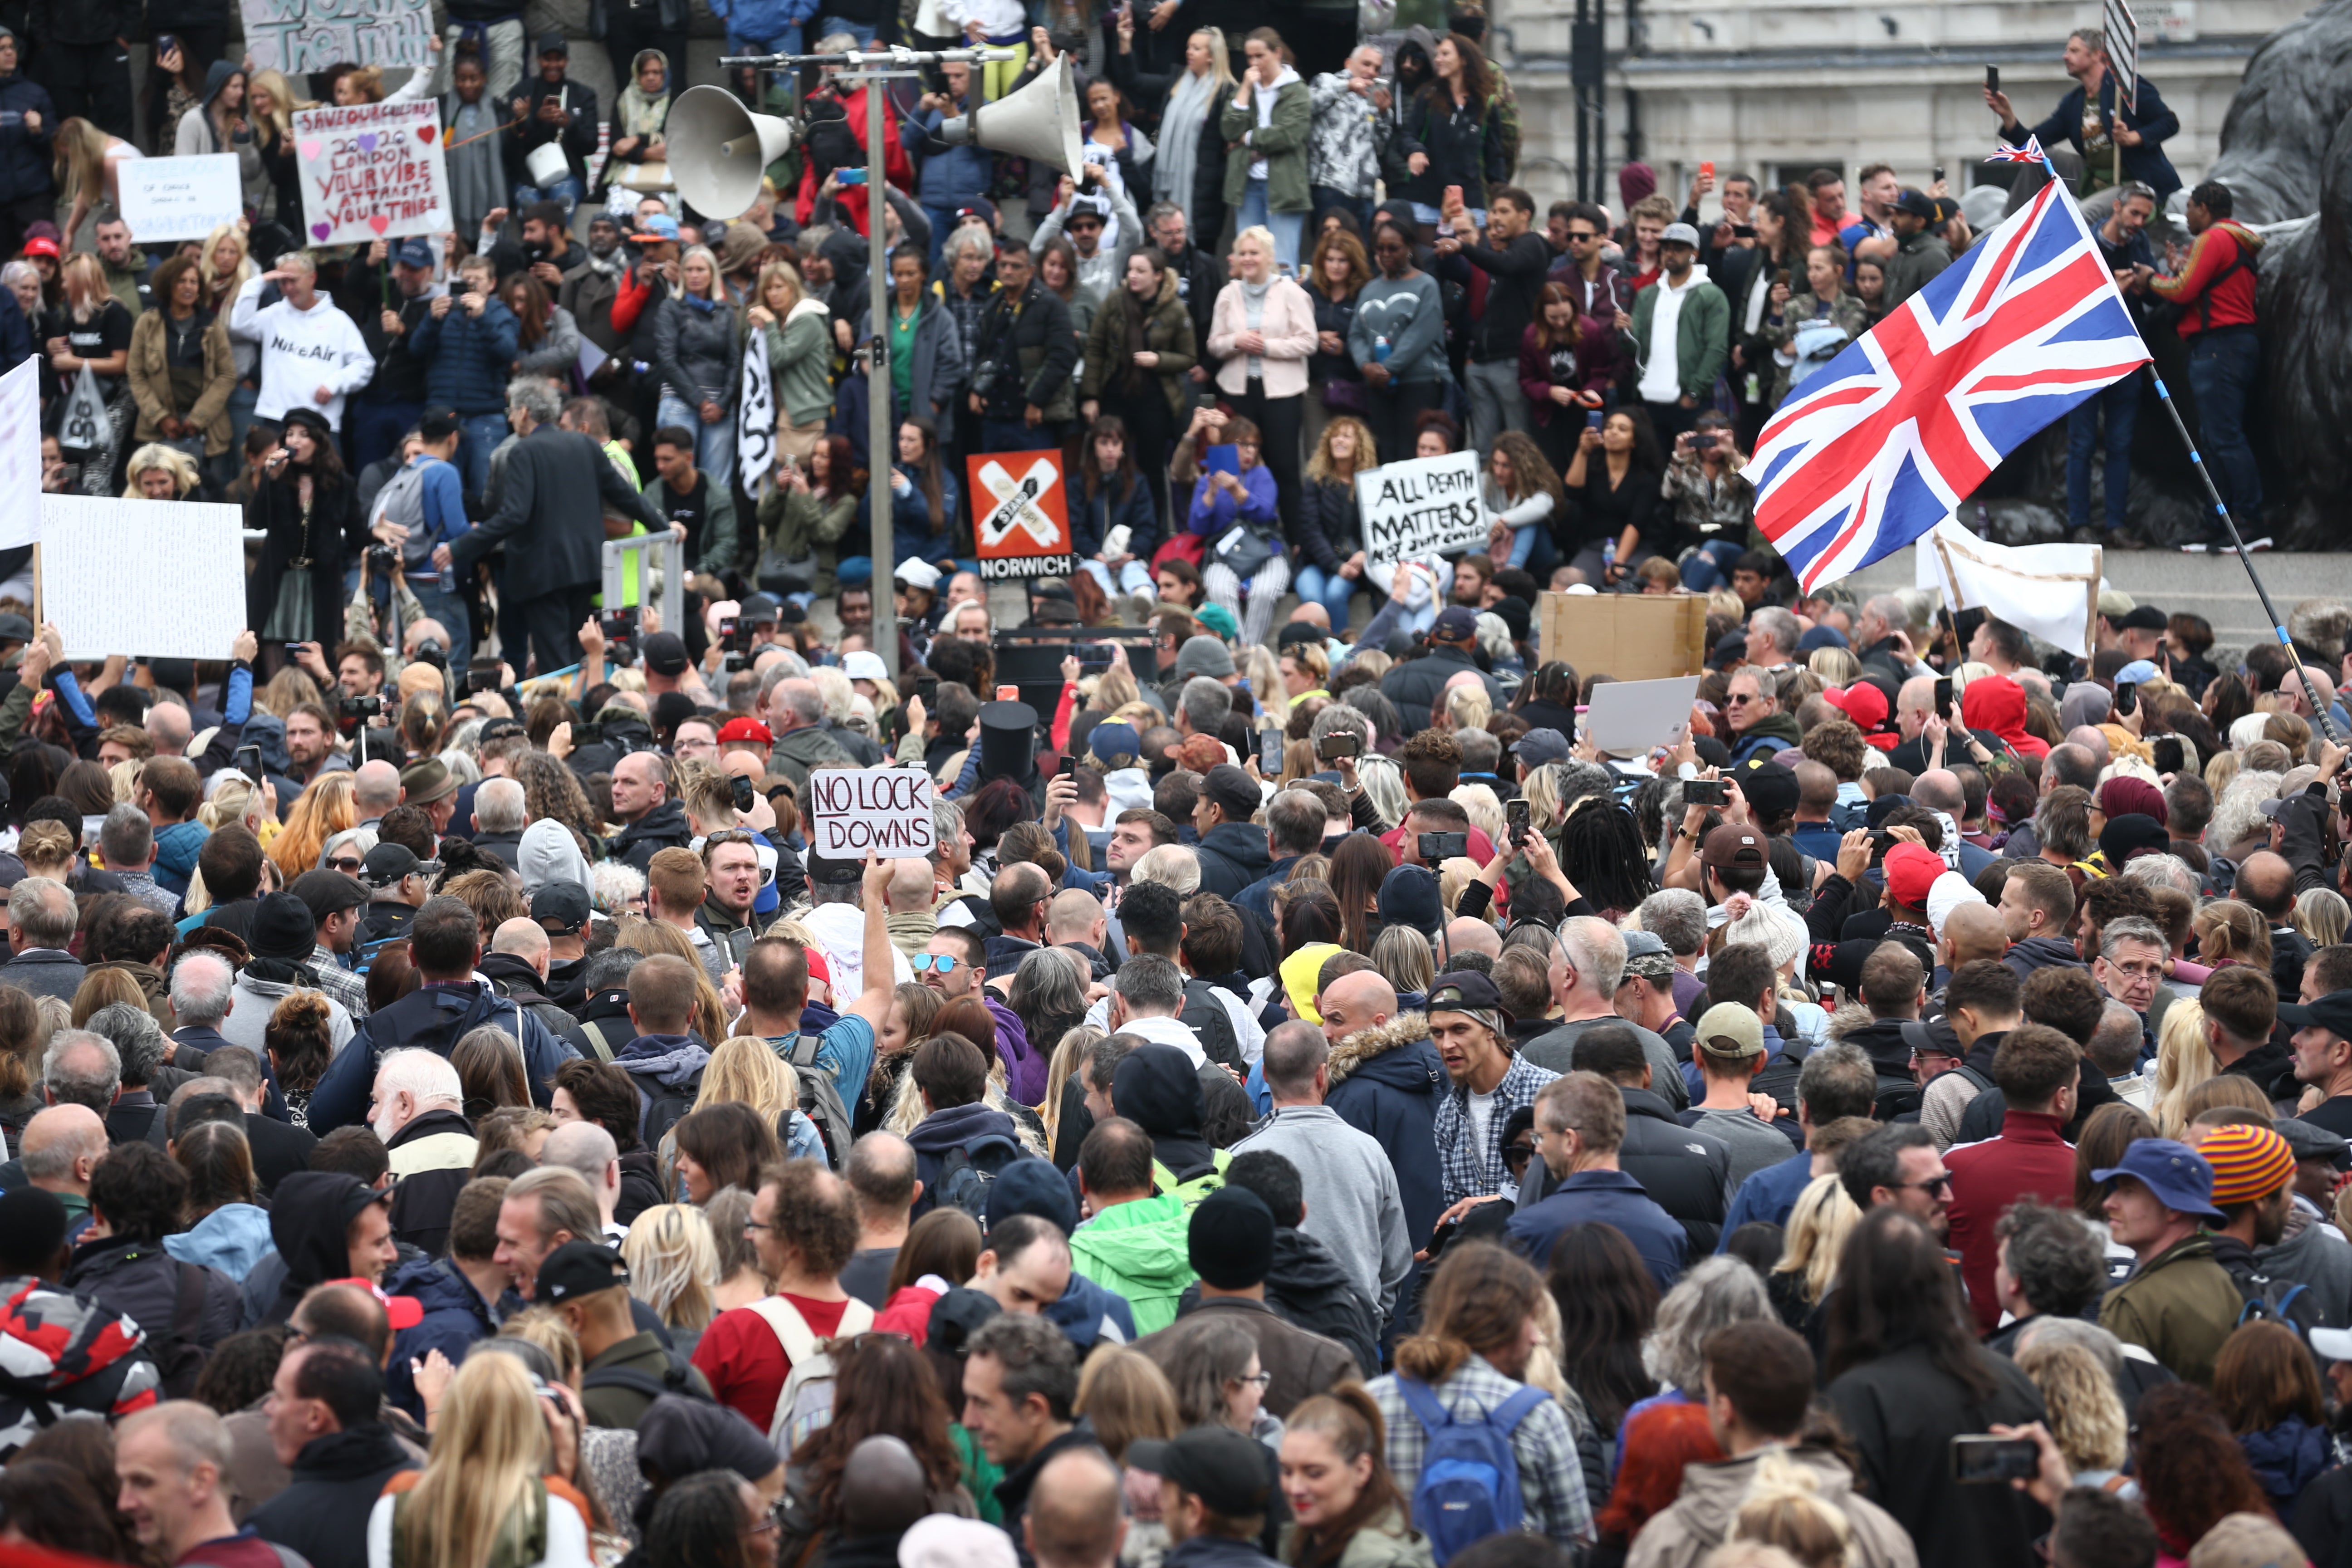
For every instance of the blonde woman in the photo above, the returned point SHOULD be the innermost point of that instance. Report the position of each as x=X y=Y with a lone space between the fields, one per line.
x=1825 y=1215
x=1201 y=92
x=650 y=937
x=483 y=1495
x=2321 y=914
x=2183 y=1060
x=1262 y=330
x=1330 y=535
x=698 y=354
x=2085 y=1415
x=1073 y=1048
x=791 y=328
x=747 y=1069
x=270 y=104
x=157 y=472
x=94 y=335
x=673 y=1264
x=89 y=169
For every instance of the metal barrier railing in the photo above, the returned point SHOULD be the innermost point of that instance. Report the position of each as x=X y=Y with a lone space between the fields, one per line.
x=627 y=562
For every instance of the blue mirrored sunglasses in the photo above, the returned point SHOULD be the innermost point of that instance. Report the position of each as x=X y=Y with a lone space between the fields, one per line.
x=932 y=963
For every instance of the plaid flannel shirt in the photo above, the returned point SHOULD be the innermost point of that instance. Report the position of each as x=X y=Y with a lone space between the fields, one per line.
x=340 y=983
x=1552 y=1479
x=1477 y=1172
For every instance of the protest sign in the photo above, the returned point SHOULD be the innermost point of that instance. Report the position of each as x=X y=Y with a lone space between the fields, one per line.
x=1635 y=637
x=1022 y=513
x=371 y=171
x=1423 y=506
x=1628 y=717
x=151 y=579
x=299 y=35
x=885 y=812
x=20 y=455
x=2049 y=590
x=180 y=198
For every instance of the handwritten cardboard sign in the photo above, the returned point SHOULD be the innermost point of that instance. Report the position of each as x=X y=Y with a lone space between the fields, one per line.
x=1423 y=506
x=882 y=811
x=1021 y=514
x=371 y=171
x=149 y=579
x=180 y=198
x=297 y=36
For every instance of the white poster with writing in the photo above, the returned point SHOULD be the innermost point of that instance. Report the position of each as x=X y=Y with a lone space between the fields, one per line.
x=180 y=198
x=885 y=812
x=371 y=171
x=148 y=579
x=1423 y=506
x=20 y=455
x=297 y=36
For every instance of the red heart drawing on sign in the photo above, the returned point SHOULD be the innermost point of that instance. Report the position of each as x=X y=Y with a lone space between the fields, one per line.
x=379 y=223
x=426 y=134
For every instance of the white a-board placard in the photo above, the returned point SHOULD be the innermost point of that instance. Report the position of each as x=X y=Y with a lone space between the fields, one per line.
x=371 y=171
x=885 y=812
x=149 y=579
x=1423 y=506
x=20 y=455
x=180 y=198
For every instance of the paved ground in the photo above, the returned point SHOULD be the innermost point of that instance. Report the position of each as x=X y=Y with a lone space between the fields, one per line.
x=2216 y=587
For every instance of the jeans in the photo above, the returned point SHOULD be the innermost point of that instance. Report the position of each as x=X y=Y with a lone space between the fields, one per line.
x=1330 y=590
x=1019 y=434
x=481 y=434
x=566 y=189
x=787 y=42
x=2120 y=403
x=943 y=222
x=1497 y=402
x=2223 y=366
x=1286 y=227
x=375 y=429
x=714 y=445
x=1135 y=577
x=1327 y=197
x=826 y=26
x=1709 y=565
x=242 y=401
x=449 y=609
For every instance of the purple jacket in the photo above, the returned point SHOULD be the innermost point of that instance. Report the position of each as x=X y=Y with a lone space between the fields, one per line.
x=1024 y=1065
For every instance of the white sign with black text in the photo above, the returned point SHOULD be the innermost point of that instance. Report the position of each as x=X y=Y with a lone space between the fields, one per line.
x=884 y=812
x=180 y=198
x=1423 y=506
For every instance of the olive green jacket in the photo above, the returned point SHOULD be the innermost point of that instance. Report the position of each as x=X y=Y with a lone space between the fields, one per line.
x=1283 y=145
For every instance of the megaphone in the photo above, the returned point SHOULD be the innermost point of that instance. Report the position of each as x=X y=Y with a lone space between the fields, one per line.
x=1040 y=121
x=719 y=150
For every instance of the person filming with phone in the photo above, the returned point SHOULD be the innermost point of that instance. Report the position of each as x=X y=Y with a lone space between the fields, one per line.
x=2091 y=121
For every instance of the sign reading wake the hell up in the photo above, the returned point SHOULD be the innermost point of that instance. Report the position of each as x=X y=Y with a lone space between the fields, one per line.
x=885 y=812
x=1423 y=506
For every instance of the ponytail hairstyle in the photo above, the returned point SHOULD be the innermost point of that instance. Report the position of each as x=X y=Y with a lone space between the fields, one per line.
x=1351 y=1421
x=1478 y=1302
x=1784 y=1507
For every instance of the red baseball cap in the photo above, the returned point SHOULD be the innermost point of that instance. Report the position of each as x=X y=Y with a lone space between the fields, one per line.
x=745 y=730
x=41 y=246
x=1911 y=870
x=403 y=1311
x=1862 y=702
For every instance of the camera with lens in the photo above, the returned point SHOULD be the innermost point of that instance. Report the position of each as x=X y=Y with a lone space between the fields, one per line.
x=432 y=651
x=384 y=559
x=478 y=677
x=620 y=628
x=362 y=707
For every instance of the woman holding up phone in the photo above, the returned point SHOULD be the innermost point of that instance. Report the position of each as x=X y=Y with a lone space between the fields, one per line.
x=1613 y=491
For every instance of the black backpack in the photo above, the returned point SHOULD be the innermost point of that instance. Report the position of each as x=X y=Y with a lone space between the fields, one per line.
x=677 y=1377
x=666 y=1106
x=1898 y=1099
x=179 y=1356
x=968 y=1172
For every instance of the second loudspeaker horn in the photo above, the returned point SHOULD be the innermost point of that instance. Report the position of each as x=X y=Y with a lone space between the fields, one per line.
x=719 y=150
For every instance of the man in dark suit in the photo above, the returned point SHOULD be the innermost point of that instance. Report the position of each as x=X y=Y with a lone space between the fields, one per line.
x=557 y=488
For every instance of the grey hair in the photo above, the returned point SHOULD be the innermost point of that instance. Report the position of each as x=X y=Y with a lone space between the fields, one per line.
x=947 y=828
x=1780 y=624
x=139 y=1041
x=1052 y=983
x=299 y=260
x=800 y=697
x=498 y=806
x=1678 y=917
x=1480 y=751
x=1206 y=702
x=1173 y=866
x=1383 y=783
x=2131 y=928
x=1596 y=951
x=2057 y=1329
x=610 y=969
x=97 y=1092
x=1717 y=1292
x=425 y=1075
x=127 y=836
x=2113 y=1045
x=1158 y=213
x=810 y=240
x=10 y=274
x=970 y=236
x=1337 y=718
x=43 y=910
x=1149 y=984
x=202 y=984
x=2163 y=872
x=535 y=395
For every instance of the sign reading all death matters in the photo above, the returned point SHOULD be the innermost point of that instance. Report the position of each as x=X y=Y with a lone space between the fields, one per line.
x=1423 y=506
x=885 y=812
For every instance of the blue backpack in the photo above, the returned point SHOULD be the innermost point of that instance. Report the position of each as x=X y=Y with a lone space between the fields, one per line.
x=1469 y=1485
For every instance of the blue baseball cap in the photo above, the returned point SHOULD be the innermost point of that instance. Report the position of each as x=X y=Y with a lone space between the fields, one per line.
x=1821 y=636
x=1114 y=745
x=2134 y=672
x=2179 y=1176
x=660 y=226
x=413 y=253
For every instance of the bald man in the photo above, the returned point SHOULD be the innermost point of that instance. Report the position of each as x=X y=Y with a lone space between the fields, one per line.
x=1077 y=920
x=914 y=888
x=1971 y=931
x=1385 y=1078
x=1939 y=789
x=587 y=1148
x=884 y=1490
x=57 y=1151
x=520 y=956
x=2266 y=881
x=2094 y=740
x=1075 y=1520
x=375 y=789
x=882 y=1188
x=1467 y=935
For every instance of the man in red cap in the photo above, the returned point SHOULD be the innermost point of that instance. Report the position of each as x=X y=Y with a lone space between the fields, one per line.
x=1911 y=869
x=743 y=734
x=1865 y=705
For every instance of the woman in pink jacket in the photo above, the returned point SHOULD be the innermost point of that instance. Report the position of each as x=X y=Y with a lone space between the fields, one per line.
x=1263 y=332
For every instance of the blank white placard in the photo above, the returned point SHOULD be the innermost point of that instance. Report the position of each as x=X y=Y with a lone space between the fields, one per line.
x=149 y=579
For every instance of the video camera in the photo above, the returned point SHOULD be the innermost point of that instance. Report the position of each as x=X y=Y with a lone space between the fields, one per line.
x=620 y=628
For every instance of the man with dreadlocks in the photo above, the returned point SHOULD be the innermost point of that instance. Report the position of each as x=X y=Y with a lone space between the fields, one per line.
x=1600 y=851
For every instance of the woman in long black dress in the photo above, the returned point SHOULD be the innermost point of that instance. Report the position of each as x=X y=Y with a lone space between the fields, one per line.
x=308 y=508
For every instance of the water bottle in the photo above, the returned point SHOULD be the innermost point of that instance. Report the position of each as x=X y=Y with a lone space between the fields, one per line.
x=1380 y=349
x=445 y=579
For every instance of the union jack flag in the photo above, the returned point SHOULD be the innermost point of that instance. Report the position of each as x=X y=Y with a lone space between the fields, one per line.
x=2029 y=154
x=1884 y=441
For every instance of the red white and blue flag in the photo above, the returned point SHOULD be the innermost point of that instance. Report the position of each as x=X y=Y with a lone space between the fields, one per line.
x=1884 y=441
x=2030 y=153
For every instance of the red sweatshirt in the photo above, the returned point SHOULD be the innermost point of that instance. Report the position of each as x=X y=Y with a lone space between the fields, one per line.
x=2030 y=1159
x=2215 y=295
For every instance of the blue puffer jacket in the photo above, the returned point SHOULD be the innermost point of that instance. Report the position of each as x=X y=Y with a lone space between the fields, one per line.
x=469 y=358
x=1094 y=515
x=231 y=1239
x=952 y=176
x=456 y=1316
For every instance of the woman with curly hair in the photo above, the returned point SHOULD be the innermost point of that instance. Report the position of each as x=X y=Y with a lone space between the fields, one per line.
x=323 y=810
x=2192 y=1473
x=882 y=1387
x=551 y=791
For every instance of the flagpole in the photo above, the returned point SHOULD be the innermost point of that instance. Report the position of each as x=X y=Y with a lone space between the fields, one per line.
x=2221 y=509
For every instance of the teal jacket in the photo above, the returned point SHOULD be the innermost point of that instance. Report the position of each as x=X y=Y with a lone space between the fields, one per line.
x=1702 y=335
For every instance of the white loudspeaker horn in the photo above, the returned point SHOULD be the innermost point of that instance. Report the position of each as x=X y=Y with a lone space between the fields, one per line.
x=1040 y=121
x=719 y=150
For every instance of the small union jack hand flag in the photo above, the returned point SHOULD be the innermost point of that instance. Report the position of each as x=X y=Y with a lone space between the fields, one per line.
x=2029 y=154
x=1878 y=446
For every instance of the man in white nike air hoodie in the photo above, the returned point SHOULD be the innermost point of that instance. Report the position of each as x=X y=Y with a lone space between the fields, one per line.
x=311 y=353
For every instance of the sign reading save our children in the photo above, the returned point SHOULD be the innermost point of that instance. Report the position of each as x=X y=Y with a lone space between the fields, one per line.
x=1423 y=506
x=371 y=171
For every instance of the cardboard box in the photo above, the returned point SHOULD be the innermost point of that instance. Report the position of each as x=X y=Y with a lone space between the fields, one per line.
x=1633 y=637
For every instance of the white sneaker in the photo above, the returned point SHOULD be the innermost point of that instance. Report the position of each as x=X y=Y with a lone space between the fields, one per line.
x=2262 y=544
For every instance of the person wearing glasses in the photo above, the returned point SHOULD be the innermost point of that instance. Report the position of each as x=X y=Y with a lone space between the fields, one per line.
x=1599 y=290
x=1898 y=1167
x=1759 y=728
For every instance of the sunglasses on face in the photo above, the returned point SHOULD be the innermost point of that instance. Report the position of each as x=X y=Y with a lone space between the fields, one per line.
x=348 y=863
x=933 y=963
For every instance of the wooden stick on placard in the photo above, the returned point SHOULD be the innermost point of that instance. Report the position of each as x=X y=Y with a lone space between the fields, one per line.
x=38 y=621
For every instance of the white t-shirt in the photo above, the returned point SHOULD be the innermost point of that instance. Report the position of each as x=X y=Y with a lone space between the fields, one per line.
x=1482 y=1115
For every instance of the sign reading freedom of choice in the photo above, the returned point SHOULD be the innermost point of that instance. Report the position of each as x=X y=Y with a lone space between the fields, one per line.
x=371 y=171
x=882 y=811
x=297 y=36
x=1423 y=506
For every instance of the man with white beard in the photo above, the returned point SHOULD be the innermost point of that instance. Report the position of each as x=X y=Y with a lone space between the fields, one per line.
x=417 y=1110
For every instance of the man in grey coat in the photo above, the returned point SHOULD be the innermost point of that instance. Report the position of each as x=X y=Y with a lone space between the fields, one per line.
x=553 y=498
x=1353 y=1204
